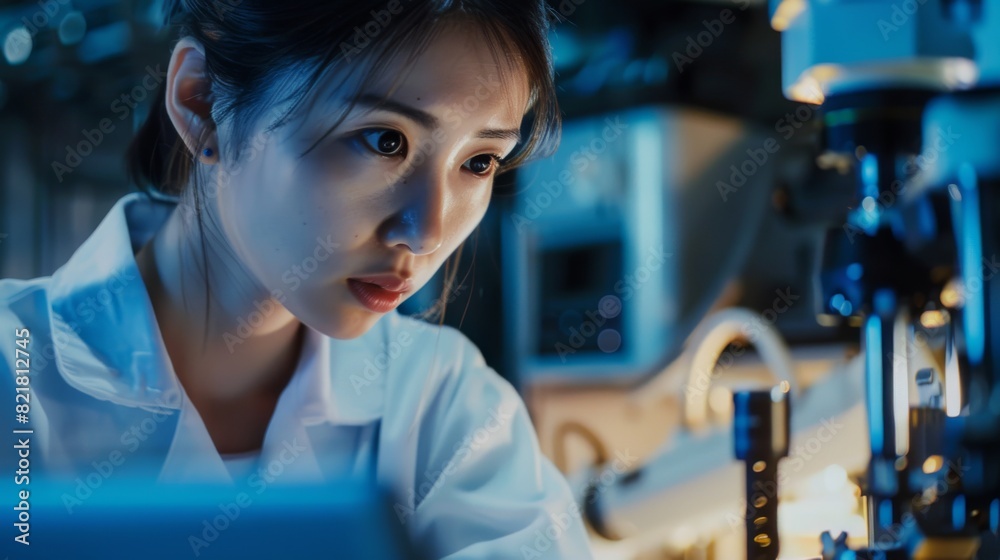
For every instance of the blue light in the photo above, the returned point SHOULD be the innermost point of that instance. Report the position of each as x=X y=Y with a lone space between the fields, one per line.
x=609 y=306
x=566 y=48
x=633 y=72
x=590 y=78
x=609 y=341
x=958 y=512
x=619 y=43
x=846 y=308
x=104 y=42
x=885 y=512
x=869 y=175
x=854 y=271
x=840 y=304
x=884 y=303
x=656 y=70
x=969 y=260
x=17 y=45
x=873 y=361
x=72 y=28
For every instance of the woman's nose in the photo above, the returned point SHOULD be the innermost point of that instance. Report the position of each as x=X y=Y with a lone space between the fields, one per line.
x=419 y=223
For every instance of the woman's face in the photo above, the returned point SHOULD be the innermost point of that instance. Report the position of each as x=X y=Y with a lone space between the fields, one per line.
x=346 y=233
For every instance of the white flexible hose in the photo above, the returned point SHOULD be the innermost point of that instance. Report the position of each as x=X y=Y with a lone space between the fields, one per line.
x=706 y=346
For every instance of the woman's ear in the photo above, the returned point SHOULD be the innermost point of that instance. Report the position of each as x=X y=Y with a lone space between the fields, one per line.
x=189 y=100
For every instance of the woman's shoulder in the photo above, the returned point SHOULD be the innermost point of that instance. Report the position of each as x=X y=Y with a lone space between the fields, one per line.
x=443 y=351
x=24 y=303
x=438 y=368
x=13 y=288
x=25 y=323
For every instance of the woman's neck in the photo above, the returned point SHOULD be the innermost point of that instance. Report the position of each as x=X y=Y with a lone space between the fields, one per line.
x=248 y=344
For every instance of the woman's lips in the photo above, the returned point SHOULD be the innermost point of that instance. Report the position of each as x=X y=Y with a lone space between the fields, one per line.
x=373 y=296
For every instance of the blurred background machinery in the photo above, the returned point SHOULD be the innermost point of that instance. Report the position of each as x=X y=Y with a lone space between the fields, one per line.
x=912 y=104
x=68 y=67
x=792 y=195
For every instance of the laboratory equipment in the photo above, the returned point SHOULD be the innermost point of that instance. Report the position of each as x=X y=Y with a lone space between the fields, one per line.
x=910 y=107
x=909 y=104
x=761 y=434
x=617 y=245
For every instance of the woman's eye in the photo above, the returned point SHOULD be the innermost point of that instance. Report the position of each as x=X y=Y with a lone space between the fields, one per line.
x=482 y=164
x=384 y=141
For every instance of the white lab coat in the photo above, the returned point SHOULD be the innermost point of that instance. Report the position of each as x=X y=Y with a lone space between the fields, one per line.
x=412 y=403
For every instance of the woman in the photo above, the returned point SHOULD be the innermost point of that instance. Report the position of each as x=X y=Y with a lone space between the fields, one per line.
x=320 y=162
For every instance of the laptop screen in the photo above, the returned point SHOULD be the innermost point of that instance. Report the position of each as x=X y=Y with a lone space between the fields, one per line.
x=136 y=520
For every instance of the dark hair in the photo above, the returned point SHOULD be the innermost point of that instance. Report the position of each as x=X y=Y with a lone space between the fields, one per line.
x=253 y=48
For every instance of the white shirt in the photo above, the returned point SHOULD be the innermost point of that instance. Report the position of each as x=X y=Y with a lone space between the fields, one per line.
x=241 y=465
x=410 y=403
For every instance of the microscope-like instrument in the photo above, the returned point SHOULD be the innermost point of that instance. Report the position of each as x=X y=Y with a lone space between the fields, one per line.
x=911 y=105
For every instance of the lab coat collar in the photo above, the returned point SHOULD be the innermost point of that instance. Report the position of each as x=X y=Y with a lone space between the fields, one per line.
x=105 y=339
x=108 y=344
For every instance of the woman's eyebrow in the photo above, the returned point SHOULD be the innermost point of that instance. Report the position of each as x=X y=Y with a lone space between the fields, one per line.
x=502 y=134
x=427 y=120
x=422 y=118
